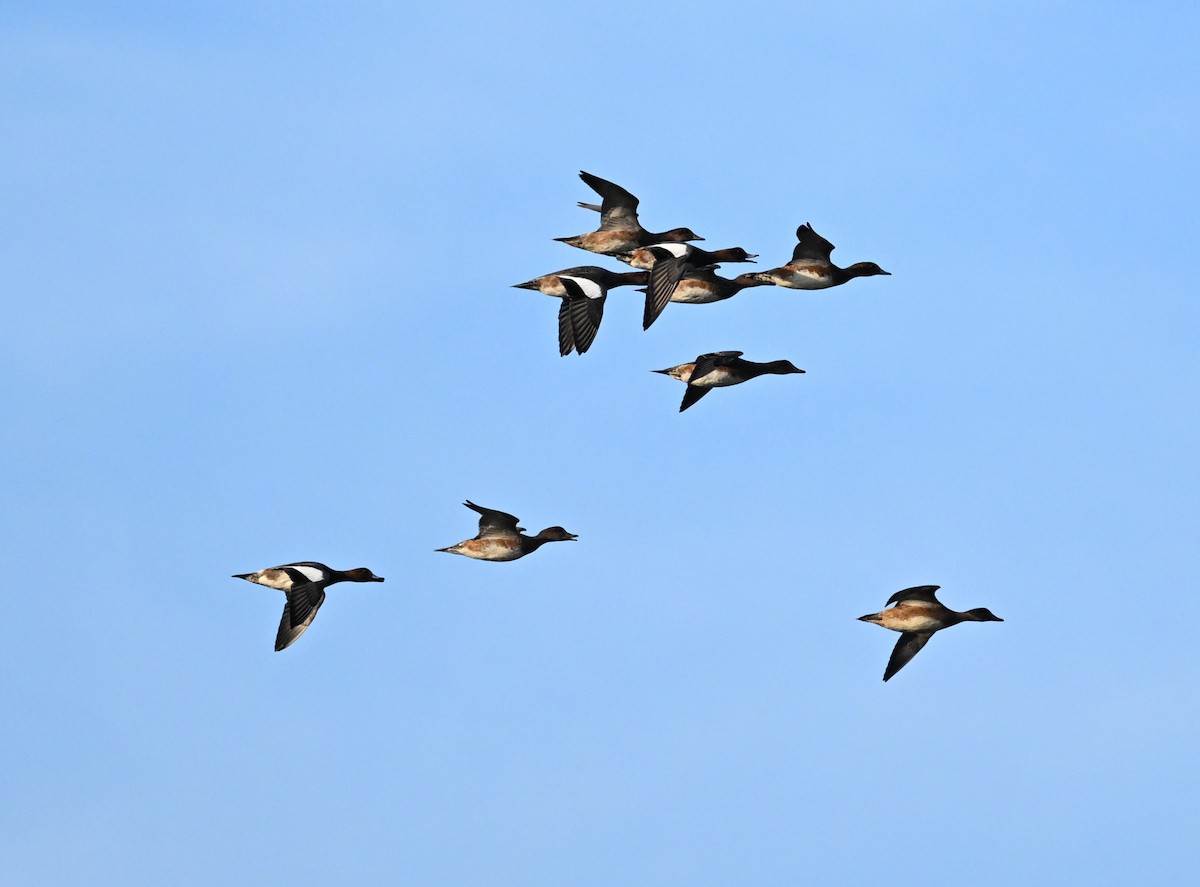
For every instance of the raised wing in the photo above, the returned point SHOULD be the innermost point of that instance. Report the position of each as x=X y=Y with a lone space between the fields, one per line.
x=494 y=523
x=812 y=246
x=906 y=648
x=916 y=593
x=619 y=209
x=706 y=363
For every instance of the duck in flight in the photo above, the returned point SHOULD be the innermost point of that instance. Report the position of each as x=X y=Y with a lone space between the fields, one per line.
x=500 y=539
x=811 y=267
x=304 y=583
x=720 y=369
x=669 y=263
x=620 y=230
x=583 y=291
x=917 y=615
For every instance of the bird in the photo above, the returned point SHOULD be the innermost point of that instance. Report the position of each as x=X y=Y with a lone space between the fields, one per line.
x=619 y=229
x=304 y=583
x=583 y=291
x=702 y=286
x=720 y=369
x=550 y=285
x=668 y=263
x=500 y=538
x=917 y=615
x=811 y=268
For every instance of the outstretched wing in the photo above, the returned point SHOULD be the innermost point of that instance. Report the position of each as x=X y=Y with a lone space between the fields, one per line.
x=619 y=209
x=812 y=246
x=906 y=648
x=298 y=614
x=494 y=523
x=916 y=593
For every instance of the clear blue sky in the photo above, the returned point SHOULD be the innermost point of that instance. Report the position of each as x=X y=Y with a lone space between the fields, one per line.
x=255 y=262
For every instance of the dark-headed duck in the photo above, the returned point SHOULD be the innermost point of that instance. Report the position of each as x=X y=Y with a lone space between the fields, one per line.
x=917 y=615
x=304 y=583
x=668 y=263
x=811 y=268
x=620 y=229
x=583 y=291
x=719 y=370
x=500 y=539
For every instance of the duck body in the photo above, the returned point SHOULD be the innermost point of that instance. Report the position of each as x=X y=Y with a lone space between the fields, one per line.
x=669 y=263
x=720 y=369
x=620 y=230
x=917 y=615
x=304 y=583
x=811 y=267
x=583 y=290
x=703 y=286
x=551 y=285
x=500 y=539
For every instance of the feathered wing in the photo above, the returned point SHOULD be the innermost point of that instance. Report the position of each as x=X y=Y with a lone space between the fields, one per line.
x=619 y=209
x=566 y=334
x=906 y=648
x=298 y=614
x=706 y=363
x=584 y=304
x=812 y=246
x=664 y=277
x=494 y=523
x=692 y=394
x=916 y=593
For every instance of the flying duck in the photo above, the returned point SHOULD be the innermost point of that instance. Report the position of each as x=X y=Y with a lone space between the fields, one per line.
x=669 y=262
x=304 y=583
x=500 y=539
x=811 y=268
x=720 y=369
x=917 y=615
x=619 y=229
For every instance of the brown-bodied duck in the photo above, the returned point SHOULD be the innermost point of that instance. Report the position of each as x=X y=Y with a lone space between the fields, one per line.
x=304 y=583
x=500 y=539
x=619 y=229
x=811 y=268
x=719 y=370
x=668 y=263
x=917 y=615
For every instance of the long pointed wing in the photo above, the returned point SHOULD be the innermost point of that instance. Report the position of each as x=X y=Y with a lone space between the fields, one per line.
x=619 y=209
x=664 y=277
x=494 y=523
x=566 y=335
x=906 y=648
x=691 y=395
x=291 y=627
x=585 y=315
x=812 y=246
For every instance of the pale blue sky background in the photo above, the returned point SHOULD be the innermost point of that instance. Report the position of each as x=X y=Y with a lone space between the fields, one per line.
x=255 y=262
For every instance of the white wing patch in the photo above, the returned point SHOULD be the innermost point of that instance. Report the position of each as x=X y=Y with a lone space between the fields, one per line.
x=590 y=288
x=313 y=574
